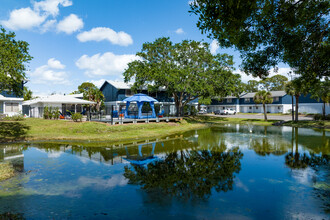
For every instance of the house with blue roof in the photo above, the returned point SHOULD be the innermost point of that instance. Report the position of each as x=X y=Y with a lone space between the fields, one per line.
x=115 y=92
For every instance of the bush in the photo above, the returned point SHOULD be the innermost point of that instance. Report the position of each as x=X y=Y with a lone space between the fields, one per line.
x=76 y=117
x=318 y=117
x=13 y=118
x=56 y=113
x=46 y=112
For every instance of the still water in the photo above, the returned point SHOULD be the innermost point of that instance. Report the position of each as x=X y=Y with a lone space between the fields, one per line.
x=230 y=172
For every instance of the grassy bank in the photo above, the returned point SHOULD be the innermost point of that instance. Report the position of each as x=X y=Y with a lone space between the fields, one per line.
x=40 y=129
x=309 y=124
x=6 y=171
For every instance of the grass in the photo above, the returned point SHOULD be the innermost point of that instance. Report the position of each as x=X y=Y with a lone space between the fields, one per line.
x=41 y=129
x=223 y=120
x=6 y=171
x=309 y=124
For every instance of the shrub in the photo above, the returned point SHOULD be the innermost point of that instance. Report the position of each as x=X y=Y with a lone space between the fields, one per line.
x=76 y=117
x=56 y=113
x=318 y=117
x=46 y=112
x=13 y=118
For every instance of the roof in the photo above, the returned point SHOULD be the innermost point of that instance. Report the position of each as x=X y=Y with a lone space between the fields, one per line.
x=3 y=98
x=140 y=97
x=120 y=85
x=64 y=99
x=80 y=95
x=273 y=93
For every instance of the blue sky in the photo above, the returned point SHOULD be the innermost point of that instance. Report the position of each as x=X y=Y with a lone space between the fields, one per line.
x=73 y=41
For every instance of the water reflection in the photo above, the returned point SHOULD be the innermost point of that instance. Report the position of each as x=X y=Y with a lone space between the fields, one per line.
x=197 y=167
x=188 y=174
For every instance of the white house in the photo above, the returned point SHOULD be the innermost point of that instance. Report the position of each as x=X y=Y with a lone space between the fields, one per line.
x=10 y=105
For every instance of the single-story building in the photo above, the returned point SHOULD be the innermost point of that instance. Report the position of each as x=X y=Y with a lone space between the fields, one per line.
x=10 y=104
x=35 y=107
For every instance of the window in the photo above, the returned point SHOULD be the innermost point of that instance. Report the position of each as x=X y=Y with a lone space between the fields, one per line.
x=279 y=107
x=247 y=100
x=11 y=107
x=128 y=92
x=229 y=100
x=223 y=107
x=256 y=107
x=250 y=107
x=276 y=99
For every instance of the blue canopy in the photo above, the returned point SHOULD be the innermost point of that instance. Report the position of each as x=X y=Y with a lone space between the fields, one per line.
x=140 y=99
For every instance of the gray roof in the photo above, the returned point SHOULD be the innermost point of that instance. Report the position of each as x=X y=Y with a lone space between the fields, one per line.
x=274 y=94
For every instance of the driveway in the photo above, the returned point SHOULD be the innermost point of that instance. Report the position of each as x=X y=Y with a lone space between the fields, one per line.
x=261 y=116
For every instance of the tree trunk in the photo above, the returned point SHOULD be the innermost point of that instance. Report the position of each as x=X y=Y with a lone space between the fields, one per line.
x=265 y=113
x=292 y=111
x=323 y=111
x=297 y=105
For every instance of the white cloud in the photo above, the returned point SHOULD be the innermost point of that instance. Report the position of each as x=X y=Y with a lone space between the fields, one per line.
x=24 y=18
x=49 y=73
x=214 y=46
x=51 y=6
x=280 y=71
x=103 y=33
x=106 y=64
x=41 y=15
x=48 y=25
x=55 y=64
x=179 y=31
x=70 y=24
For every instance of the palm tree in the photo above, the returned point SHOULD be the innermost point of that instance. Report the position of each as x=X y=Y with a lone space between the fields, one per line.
x=289 y=89
x=263 y=97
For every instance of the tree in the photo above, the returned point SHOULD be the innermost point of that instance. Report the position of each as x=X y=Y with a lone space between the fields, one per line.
x=14 y=56
x=263 y=97
x=187 y=70
x=27 y=94
x=321 y=91
x=289 y=89
x=299 y=87
x=188 y=174
x=252 y=86
x=91 y=93
x=274 y=83
x=268 y=32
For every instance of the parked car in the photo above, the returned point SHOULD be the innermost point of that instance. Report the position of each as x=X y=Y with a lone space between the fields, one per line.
x=202 y=111
x=217 y=112
x=228 y=111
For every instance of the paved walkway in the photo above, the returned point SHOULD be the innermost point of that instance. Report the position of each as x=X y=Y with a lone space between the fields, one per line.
x=269 y=117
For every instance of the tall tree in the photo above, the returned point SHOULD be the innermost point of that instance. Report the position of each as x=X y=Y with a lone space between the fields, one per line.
x=91 y=93
x=274 y=83
x=252 y=86
x=27 y=94
x=268 y=32
x=321 y=91
x=263 y=97
x=14 y=57
x=187 y=70
x=289 y=89
x=300 y=86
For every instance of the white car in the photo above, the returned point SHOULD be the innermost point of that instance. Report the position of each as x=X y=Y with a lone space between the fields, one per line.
x=202 y=111
x=228 y=111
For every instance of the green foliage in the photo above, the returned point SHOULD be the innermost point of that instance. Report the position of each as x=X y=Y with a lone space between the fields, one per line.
x=187 y=70
x=14 y=55
x=27 y=94
x=92 y=93
x=46 y=112
x=183 y=173
x=13 y=118
x=12 y=130
x=318 y=117
x=251 y=86
x=76 y=117
x=274 y=83
x=146 y=107
x=270 y=32
x=264 y=98
x=56 y=113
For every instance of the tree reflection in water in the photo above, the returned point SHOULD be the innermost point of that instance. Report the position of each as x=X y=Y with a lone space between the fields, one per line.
x=319 y=163
x=188 y=174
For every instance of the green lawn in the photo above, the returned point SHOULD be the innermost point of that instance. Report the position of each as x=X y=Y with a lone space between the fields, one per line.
x=47 y=130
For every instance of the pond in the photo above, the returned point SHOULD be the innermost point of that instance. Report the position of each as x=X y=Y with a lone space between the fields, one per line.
x=234 y=172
